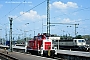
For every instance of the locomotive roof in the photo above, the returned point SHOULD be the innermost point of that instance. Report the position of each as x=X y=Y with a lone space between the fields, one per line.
x=65 y=40
x=68 y=40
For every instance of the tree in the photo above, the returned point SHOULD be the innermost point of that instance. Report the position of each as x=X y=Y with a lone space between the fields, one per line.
x=78 y=37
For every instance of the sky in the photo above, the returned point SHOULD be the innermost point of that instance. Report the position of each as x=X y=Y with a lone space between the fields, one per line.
x=30 y=17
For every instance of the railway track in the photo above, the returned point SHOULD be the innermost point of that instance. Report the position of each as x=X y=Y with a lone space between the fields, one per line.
x=49 y=58
x=60 y=56
x=5 y=56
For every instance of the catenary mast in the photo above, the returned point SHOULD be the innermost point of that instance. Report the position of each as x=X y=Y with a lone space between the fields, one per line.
x=48 y=18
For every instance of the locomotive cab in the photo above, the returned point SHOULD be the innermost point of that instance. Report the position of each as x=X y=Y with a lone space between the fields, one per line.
x=48 y=49
x=80 y=43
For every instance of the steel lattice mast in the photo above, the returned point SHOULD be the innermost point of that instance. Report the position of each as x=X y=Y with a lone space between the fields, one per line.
x=48 y=18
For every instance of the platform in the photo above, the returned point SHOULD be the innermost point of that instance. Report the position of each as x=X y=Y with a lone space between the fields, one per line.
x=77 y=53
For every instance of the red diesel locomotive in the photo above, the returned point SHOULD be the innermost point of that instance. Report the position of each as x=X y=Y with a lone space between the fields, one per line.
x=41 y=45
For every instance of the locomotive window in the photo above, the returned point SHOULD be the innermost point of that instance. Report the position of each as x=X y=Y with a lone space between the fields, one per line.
x=81 y=40
x=75 y=40
x=20 y=45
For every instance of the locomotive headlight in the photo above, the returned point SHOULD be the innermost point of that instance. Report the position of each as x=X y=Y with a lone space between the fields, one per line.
x=41 y=50
x=55 y=50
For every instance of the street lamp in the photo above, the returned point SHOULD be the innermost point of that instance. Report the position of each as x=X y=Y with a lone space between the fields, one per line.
x=67 y=31
x=68 y=26
x=26 y=23
x=25 y=39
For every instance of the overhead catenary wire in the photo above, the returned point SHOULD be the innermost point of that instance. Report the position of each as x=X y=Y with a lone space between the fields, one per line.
x=31 y=8
x=24 y=6
x=11 y=10
x=85 y=8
